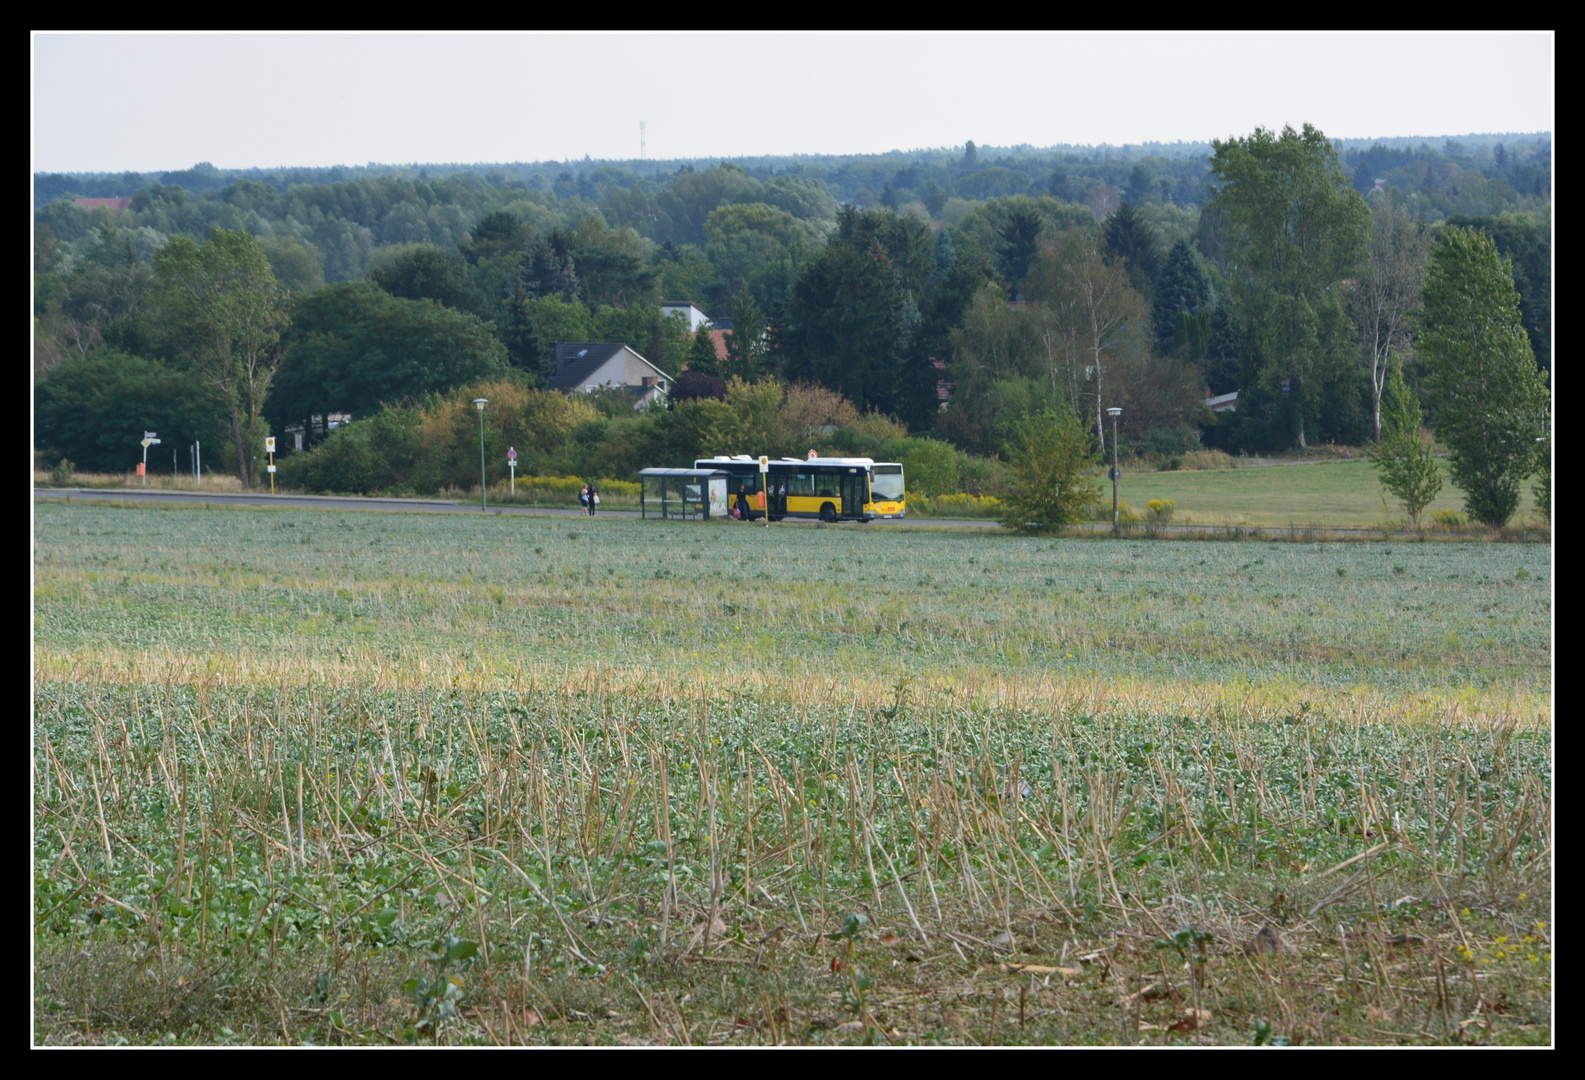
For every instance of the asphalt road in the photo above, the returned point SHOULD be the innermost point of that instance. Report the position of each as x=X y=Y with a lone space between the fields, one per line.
x=418 y=506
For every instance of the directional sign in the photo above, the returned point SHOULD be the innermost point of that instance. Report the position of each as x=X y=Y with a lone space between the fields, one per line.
x=269 y=444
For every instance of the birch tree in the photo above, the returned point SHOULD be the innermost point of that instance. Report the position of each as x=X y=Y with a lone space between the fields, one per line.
x=1389 y=291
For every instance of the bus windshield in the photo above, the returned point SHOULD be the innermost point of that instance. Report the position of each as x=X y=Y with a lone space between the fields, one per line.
x=886 y=483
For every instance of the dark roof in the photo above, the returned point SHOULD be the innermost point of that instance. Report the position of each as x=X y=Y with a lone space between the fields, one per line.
x=576 y=361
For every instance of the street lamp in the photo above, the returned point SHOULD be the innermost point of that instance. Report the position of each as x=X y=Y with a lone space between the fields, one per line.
x=480 y=403
x=1114 y=413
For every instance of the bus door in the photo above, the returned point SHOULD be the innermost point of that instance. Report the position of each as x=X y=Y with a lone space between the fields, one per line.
x=853 y=492
x=776 y=492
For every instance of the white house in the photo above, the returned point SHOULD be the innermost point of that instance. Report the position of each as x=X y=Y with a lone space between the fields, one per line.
x=587 y=366
x=689 y=311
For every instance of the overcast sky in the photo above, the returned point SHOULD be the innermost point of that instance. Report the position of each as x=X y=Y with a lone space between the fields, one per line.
x=149 y=102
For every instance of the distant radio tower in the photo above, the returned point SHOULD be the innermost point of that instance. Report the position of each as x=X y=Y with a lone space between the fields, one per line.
x=641 y=140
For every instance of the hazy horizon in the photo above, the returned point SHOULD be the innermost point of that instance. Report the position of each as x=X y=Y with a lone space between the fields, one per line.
x=982 y=147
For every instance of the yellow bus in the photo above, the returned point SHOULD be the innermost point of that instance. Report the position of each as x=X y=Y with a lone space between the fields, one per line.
x=827 y=488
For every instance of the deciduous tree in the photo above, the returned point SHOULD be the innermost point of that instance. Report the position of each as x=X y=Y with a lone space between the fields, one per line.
x=423 y=272
x=1388 y=292
x=223 y=315
x=1095 y=320
x=353 y=347
x=1053 y=463
x=1489 y=403
x=1294 y=230
x=1402 y=455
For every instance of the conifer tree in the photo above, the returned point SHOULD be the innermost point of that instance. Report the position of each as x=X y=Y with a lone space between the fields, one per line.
x=702 y=356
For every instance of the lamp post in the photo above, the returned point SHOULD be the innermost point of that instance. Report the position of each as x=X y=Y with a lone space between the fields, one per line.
x=480 y=403
x=1114 y=413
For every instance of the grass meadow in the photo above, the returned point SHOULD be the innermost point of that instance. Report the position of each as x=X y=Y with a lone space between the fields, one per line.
x=1339 y=494
x=365 y=778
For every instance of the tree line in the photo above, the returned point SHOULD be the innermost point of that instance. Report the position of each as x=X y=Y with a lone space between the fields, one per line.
x=1290 y=285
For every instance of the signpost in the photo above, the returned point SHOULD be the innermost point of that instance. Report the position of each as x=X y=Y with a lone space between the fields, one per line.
x=143 y=469
x=764 y=487
x=511 y=463
x=269 y=448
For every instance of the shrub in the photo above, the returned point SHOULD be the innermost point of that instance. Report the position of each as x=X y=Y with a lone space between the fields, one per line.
x=1167 y=442
x=697 y=384
x=930 y=466
x=956 y=504
x=1053 y=466
x=1160 y=511
x=62 y=474
x=1212 y=459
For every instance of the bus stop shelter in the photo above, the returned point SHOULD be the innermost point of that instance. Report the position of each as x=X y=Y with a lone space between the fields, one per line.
x=682 y=494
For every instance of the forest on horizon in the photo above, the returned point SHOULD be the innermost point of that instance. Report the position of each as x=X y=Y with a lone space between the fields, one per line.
x=887 y=279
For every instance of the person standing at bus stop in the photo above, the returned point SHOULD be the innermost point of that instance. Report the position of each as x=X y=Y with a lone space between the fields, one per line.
x=742 y=501
x=594 y=499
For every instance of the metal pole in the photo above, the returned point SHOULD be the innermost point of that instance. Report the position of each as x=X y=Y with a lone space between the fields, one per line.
x=1114 y=474
x=145 y=464
x=198 y=461
x=481 y=460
